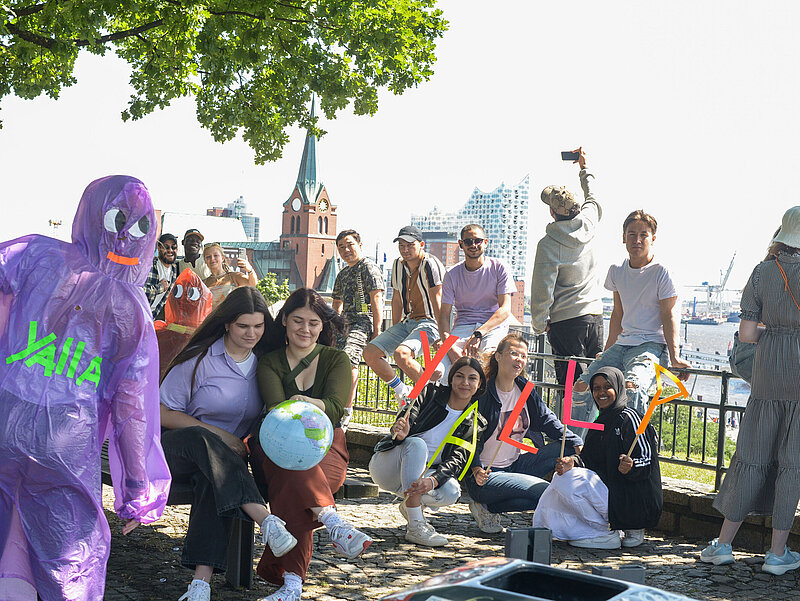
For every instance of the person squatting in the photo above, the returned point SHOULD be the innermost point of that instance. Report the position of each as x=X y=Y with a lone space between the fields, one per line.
x=82 y=365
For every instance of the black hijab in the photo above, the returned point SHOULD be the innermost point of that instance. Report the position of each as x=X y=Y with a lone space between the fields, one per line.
x=614 y=376
x=594 y=453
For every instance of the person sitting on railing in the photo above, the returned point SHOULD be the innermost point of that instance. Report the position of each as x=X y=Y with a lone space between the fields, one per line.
x=506 y=479
x=400 y=463
x=620 y=489
x=644 y=325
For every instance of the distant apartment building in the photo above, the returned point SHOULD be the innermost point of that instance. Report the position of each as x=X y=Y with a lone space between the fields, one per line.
x=444 y=246
x=238 y=210
x=503 y=213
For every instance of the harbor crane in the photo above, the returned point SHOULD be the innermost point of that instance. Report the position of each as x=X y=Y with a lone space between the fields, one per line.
x=716 y=290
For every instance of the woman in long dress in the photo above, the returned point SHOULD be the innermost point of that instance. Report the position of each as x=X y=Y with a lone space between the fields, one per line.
x=764 y=476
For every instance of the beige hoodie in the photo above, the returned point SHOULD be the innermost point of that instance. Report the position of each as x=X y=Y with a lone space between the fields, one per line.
x=565 y=280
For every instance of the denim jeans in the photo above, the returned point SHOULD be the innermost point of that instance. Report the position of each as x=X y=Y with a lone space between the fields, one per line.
x=637 y=364
x=222 y=484
x=396 y=469
x=518 y=486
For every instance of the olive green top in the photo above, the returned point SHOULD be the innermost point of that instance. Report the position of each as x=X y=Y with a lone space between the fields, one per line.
x=332 y=381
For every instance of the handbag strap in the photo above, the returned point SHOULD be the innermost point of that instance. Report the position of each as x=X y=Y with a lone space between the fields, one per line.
x=302 y=365
x=786 y=283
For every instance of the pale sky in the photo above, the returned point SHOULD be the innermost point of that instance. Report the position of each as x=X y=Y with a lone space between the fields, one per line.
x=686 y=109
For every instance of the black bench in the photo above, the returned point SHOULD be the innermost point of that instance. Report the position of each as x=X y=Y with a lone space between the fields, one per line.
x=241 y=546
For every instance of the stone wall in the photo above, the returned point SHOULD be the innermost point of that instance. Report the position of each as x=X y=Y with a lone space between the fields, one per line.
x=687 y=505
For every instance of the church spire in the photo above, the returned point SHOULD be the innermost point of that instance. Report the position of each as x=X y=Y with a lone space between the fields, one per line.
x=307 y=175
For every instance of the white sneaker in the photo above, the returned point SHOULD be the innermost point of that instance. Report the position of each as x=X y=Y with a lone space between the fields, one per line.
x=609 y=540
x=487 y=521
x=633 y=538
x=403 y=509
x=422 y=533
x=348 y=541
x=199 y=590
x=275 y=534
x=285 y=593
x=346 y=417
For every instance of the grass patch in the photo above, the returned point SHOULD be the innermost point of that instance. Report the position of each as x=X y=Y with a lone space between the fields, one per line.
x=685 y=472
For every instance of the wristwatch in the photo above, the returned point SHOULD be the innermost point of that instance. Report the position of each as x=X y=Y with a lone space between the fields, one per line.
x=477 y=334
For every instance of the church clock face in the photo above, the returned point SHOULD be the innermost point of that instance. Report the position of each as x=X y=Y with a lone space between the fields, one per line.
x=296 y=204
x=323 y=205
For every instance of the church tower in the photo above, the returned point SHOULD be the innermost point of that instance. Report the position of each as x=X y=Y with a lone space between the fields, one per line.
x=309 y=221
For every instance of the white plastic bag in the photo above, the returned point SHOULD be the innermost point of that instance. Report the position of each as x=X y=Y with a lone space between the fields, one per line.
x=574 y=506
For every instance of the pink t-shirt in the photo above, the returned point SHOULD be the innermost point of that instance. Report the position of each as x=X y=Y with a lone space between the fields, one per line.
x=474 y=293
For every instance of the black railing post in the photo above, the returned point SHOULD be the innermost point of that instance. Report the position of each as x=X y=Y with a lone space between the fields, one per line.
x=538 y=365
x=723 y=401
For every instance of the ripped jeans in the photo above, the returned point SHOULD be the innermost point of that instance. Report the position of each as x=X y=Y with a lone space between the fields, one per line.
x=637 y=364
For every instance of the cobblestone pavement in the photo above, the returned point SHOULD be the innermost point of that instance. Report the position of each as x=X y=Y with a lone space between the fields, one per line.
x=146 y=564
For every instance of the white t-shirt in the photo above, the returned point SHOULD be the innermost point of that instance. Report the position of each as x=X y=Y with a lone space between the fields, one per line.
x=506 y=453
x=434 y=437
x=641 y=290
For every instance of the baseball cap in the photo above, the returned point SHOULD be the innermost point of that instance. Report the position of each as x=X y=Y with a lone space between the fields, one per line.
x=164 y=237
x=560 y=200
x=410 y=234
x=193 y=232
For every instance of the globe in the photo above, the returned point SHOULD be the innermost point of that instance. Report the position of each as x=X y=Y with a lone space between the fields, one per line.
x=295 y=435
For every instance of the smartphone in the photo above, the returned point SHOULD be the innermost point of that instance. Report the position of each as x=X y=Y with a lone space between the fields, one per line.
x=243 y=256
x=569 y=156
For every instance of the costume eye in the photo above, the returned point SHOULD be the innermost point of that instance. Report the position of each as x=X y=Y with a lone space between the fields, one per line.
x=140 y=228
x=177 y=291
x=193 y=294
x=114 y=220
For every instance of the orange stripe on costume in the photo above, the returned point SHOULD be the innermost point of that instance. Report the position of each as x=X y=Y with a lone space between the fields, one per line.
x=122 y=260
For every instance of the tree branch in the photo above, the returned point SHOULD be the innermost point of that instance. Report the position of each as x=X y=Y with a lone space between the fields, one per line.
x=119 y=35
x=26 y=11
x=28 y=36
x=49 y=43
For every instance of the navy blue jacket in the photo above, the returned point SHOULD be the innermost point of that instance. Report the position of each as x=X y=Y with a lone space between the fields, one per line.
x=543 y=421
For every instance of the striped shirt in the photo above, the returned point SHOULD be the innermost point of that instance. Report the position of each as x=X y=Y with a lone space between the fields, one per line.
x=415 y=291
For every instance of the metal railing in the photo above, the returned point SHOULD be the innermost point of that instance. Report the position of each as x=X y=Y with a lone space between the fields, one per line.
x=693 y=432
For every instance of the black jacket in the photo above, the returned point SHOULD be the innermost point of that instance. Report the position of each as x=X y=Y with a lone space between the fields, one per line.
x=429 y=411
x=543 y=420
x=634 y=499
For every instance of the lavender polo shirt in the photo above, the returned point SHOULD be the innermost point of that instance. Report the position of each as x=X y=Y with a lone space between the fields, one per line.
x=222 y=395
x=474 y=293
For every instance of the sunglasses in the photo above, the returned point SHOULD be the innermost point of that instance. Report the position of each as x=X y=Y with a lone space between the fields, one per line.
x=473 y=241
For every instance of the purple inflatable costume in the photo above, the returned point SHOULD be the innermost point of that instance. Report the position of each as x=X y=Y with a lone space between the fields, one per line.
x=78 y=363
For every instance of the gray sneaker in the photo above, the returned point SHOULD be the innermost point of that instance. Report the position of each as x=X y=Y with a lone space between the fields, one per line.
x=422 y=533
x=487 y=521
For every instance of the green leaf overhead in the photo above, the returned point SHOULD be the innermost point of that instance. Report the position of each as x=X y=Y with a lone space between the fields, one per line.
x=252 y=66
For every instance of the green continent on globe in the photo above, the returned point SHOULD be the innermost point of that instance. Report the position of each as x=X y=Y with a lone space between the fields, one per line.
x=315 y=433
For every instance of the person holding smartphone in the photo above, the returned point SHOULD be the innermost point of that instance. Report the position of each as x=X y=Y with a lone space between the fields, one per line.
x=222 y=279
